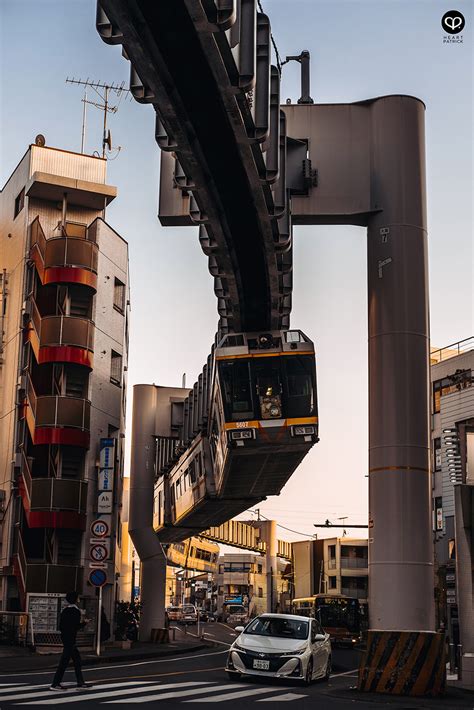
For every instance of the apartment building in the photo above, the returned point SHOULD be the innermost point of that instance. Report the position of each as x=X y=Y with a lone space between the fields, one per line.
x=63 y=361
x=337 y=565
x=452 y=440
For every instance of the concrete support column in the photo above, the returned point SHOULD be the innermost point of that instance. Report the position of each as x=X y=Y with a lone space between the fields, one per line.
x=153 y=591
x=268 y=534
x=400 y=546
x=142 y=480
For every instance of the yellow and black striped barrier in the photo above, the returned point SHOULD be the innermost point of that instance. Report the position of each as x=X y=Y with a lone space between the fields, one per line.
x=404 y=663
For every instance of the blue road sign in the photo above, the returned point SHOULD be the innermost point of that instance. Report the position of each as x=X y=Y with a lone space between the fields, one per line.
x=98 y=577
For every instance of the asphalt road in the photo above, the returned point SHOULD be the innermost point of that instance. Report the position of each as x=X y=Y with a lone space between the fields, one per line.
x=196 y=678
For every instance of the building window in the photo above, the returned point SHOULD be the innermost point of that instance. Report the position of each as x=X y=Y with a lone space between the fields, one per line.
x=332 y=582
x=460 y=380
x=119 y=295
x=437 y=454
x=19 y=203
x=259 y=568
x=260 y=592
x=116 y=368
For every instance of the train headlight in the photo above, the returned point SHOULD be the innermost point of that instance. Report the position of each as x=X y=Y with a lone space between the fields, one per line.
x=238 y=434
x=303 y=430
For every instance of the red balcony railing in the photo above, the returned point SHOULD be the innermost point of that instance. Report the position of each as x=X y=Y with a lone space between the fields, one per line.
x=61 y=338
x=55 y=419
x=64 y=259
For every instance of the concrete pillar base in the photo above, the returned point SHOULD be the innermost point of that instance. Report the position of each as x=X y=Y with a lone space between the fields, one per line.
x=404 y=663
x=467 y=671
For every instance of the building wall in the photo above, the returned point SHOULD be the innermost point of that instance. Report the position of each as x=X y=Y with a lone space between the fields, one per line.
x=53 y=169
x=12 y=258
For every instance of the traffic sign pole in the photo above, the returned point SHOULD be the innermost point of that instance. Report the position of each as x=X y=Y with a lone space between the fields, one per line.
x=99 y=621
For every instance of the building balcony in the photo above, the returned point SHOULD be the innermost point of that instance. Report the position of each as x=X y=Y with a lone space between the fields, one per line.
x=354 y=563
x=61 y=338
x=55 y=419
x=52 y=502
x=64 y=259
x=355 y=592
x=44 y=577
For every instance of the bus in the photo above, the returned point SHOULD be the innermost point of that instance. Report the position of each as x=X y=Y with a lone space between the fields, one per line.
x=340 y=616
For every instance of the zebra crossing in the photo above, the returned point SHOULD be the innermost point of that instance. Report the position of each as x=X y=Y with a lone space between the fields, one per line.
x=145 y=691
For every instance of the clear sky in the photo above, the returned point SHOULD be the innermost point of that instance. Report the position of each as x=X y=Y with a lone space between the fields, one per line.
x=359 y=49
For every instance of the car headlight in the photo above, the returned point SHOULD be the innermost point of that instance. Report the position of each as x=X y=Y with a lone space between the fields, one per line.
x=236 y=647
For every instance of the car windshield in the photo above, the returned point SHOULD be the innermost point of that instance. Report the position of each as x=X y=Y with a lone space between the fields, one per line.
x=189 y=609
x=279 y=628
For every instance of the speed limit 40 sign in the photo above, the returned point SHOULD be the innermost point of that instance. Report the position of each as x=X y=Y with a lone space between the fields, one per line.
x=100 y=528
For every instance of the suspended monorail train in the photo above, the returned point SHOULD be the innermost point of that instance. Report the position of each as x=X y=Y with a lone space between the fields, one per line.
x=248 y=423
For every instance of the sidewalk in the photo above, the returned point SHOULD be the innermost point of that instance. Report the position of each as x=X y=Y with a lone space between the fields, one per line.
x=21 y=660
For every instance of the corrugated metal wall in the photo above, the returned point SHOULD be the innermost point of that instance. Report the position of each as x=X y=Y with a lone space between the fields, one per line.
x=70 y=165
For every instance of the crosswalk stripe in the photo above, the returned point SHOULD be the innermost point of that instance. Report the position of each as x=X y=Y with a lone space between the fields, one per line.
x=233 y=696
x=91 y=695
x=287 y=697
x=16 y=687
x=175 y=694
x=60 y=693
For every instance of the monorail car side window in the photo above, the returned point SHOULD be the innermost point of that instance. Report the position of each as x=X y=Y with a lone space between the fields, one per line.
x=300 y=386
x=236 y=390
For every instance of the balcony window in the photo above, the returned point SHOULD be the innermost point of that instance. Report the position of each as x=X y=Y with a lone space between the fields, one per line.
x=116 y=368
x=332 y=582
x=354 y=556
x=119 y=295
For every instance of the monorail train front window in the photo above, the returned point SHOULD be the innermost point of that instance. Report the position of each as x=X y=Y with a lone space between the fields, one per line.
x=300 y=394
x=266 y=372
x=236 y=390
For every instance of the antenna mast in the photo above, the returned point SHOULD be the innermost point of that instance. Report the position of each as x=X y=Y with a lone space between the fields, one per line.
x=104 y=105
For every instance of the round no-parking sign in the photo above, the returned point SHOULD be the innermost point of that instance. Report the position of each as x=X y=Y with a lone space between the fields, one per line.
x=98 y=577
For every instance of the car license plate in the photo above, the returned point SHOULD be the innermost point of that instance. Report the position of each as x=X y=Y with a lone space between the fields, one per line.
x=261 y=665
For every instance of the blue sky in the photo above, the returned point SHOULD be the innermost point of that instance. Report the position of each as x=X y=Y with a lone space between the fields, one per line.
x=359 y=49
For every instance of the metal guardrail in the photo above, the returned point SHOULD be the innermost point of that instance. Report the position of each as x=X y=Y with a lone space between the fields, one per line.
x=453 y=350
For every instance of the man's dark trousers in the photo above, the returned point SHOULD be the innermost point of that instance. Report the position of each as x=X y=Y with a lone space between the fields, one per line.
x=70 y=651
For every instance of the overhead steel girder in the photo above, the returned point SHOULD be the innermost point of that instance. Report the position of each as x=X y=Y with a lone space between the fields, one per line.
x=177 y=54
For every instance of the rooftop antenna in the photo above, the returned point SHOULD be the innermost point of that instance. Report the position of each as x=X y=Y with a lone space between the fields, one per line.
x=118 y=89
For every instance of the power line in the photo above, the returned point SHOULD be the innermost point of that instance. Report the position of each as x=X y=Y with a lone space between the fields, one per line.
x=296 y=532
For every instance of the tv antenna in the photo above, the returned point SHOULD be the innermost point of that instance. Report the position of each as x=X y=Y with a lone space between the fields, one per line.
x=103 y=91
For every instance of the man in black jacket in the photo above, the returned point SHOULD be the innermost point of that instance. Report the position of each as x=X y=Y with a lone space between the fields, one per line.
x=69 y=624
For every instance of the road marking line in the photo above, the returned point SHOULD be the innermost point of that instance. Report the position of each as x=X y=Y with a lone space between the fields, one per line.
x=170 y=659
x=176 y=694
x=336 y=675
x=5 y=685
x=52 y=694
x=281 y=698
x=16 y=687
x=233 y=696
x=90 y=695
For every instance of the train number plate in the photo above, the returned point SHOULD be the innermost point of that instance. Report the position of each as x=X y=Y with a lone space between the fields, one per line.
x=261 y=665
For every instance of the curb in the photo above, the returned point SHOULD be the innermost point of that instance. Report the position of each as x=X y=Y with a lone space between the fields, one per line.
x=96 y=660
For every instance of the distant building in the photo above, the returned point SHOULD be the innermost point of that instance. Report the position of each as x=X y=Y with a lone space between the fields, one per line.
x=337 y=565
x=452 y=440
x=64 y=289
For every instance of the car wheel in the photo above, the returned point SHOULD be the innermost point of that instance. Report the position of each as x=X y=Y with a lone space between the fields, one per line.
x=328 y=669
x=308 y=679
x=232 y=675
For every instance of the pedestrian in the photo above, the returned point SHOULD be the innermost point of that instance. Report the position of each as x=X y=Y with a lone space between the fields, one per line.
x=69 y=624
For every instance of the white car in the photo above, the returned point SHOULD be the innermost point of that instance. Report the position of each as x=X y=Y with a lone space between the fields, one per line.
x=281 y=646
